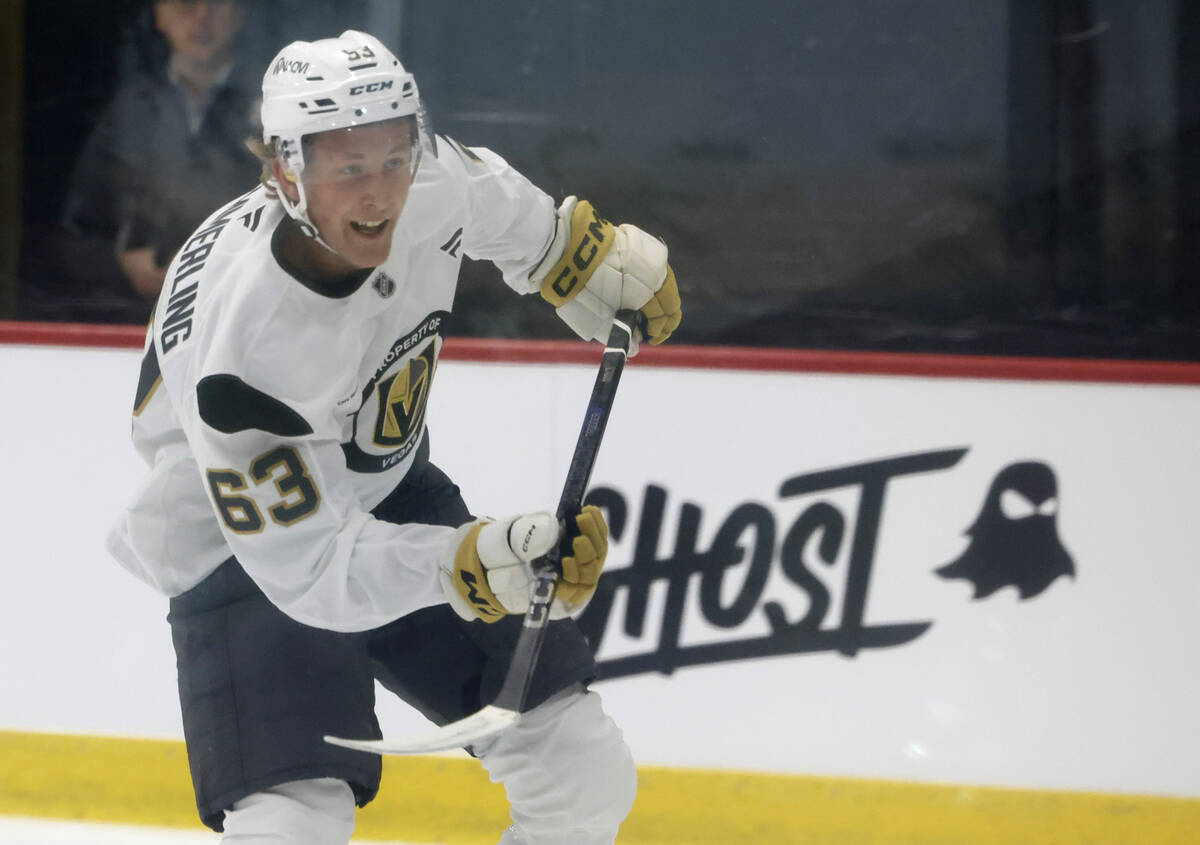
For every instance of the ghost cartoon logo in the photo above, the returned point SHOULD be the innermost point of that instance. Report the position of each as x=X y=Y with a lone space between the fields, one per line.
x=1014 y=540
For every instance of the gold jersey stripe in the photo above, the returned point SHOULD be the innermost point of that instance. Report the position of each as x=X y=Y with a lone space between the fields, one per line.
x=143 y=401
x=140 y=781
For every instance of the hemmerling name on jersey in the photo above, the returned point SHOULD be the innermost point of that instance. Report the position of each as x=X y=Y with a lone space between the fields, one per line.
x=177 y=327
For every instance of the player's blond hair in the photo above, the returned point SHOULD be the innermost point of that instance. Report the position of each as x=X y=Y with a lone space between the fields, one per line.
x=265 y=153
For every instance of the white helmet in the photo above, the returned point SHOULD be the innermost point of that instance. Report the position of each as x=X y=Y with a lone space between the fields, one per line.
x=334 y=83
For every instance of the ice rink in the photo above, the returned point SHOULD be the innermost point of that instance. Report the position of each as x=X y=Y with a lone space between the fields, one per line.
x=23 y=831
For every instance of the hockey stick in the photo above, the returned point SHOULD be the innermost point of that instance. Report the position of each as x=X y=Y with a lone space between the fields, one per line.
x=507 y=707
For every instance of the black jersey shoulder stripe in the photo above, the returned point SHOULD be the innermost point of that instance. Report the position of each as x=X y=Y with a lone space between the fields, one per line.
x=230 y=405
x=149 y=379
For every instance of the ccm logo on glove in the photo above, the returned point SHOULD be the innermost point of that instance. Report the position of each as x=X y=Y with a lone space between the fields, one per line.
x=528 y=541
x=591 y=237
x=484 y=607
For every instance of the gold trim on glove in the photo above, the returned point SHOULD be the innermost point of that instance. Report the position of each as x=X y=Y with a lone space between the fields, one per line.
x=582 y=567
x=590 y=239
x=470 y=579
x=664 y=311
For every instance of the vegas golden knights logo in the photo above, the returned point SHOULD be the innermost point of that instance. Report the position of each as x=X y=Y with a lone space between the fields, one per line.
x=402 y=398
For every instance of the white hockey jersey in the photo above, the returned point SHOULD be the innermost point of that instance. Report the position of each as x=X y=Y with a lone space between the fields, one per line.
x=274 y=417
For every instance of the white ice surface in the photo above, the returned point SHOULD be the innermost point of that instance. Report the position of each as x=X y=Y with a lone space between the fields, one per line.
x=23 y=831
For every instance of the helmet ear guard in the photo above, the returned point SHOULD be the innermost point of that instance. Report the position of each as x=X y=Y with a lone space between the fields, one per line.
x=334 y=83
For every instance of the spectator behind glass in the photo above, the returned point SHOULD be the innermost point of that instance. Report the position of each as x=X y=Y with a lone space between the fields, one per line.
x=167 y=151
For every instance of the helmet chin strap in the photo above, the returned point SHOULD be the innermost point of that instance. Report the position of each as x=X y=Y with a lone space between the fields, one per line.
x=298 y=211
x=310 y=231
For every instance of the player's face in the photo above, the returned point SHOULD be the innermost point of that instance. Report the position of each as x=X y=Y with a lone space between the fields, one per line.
x=198 y=31
x=357 y=181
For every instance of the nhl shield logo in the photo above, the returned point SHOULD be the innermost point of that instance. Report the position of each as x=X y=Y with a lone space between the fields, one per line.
x=384 y=285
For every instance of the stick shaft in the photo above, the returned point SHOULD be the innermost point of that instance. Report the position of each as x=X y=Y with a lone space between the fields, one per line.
x=529 y=643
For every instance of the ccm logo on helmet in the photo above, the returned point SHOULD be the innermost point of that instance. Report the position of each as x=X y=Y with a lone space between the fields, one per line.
x=371 y=88
x=289 y=66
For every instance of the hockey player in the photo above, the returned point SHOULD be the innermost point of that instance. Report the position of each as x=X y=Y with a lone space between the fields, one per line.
x=291 y=510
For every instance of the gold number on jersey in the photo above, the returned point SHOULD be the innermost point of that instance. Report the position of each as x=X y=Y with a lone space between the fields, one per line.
x=298 y=496
x=239 y=512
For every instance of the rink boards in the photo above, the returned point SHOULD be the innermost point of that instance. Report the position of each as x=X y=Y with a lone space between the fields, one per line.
x=850 y=597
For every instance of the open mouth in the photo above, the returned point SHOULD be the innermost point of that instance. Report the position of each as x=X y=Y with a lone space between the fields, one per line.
x=368 y=227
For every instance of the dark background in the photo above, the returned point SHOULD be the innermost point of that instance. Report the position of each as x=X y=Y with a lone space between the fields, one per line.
x=1014 y=177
